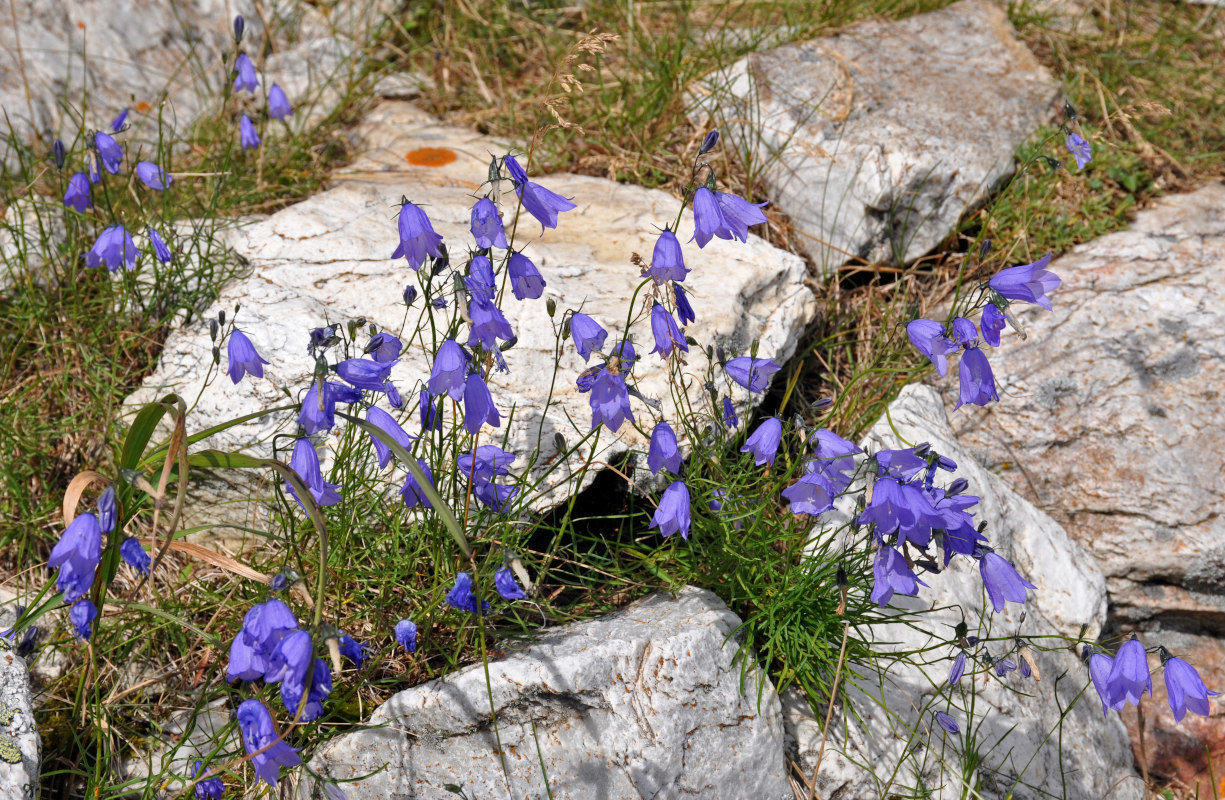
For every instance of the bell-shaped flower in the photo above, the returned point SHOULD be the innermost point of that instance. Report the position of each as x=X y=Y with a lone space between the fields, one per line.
x=207 y=788
x=488 y=323
x=525 y=280
x=1100 y=666
x=113 y=249
x=387 y=423
x=417 y=236
x=1185 y=688
x=977 y=380
x=928 y=338
x=992 y=324
x=811 y=494
x=1079 y=148
x=365 y=373
x=478 y=405
x=1003 y=582
x=81 y=615
x=891 y=574
x=260 y=738
x=948 y=723
x=107 y=510
x=610 y=401
x=835 y=458
x=77 y=554
x=461 y=596
x=248 y=137
x=1029 y=283
x=1129 y=676
x=763 y=443
x=243 y=358
x=964 y=332
x=245 y=79
x=383 y=347
x=350 y=648
x=739 y=214
x=902 y=508
x=320 y=688
x=291 y=658
x=76 y=196
x=412 y=494
x=504 y=581
x=109 y=152
x=958 y=669
x=667 y=261
x=664 y=451
x=672 y=515
x=319 y=410
x=752 y=373
x=491 y=461
x=449 y=371
x=153 y=176
x=305 y=462
x=541 y=203
x=265 y=624
x=278 y=103
x=406 y=635
x=667 y=333
x=119 y=120
x=135 y=555
x=684 y=311
x=708 y=218
x=487 y=226
x=159 y=247
x=430 y=410
x=588 y=335
x=730 y=419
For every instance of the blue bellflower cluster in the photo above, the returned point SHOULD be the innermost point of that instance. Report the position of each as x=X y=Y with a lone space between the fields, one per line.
x=1123 y=679
x=78 y=553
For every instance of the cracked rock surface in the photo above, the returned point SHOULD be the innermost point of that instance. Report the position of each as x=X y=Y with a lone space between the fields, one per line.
x=1109 y=421
x=876 y=140
x=643 y=703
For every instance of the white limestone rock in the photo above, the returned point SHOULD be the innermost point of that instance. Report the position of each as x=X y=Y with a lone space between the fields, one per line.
x=644 y=703
x=20 y=746
x=876 y=140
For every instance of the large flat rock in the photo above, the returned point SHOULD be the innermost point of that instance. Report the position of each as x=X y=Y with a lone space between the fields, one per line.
x=648 y=702
x=876 y=140
x=1014 y=716
x=1110 y=415
x=327 y=259
x=22 y=749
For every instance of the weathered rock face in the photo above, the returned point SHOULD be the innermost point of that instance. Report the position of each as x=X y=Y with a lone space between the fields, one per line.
x=875 y=141
x=647 y=702
x=20 y=748
x=1110 y=414
x=328 y=259
x=1012 y=716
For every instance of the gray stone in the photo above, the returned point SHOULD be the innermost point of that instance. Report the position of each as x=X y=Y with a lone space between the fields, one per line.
x=876 y=140
x=328 y=258
x=649 y=702
x=878 y=725
x=20 y=747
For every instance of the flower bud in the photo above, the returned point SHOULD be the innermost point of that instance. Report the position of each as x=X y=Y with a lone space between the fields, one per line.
x=57 y=151
x=709 y=142
x=221 y=316
x=410 y=294
x=240 y=25
x=550 y=306
x=216 y=356
x=212 y=329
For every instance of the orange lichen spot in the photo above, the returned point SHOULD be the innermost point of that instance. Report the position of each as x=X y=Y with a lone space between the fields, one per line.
x=142 y=107
x=430 y=157
x=81 y=25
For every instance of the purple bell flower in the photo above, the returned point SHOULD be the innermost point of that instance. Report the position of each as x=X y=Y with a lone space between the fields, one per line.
x=730 y=420
x=461 y=597
x=246 y=79
x=1185 y=688
x=109 y=152
x=958 y=669
x=487 y=226
x=77 y=554
x=93 y=169
x=114 y=248
x=1029 y=283
x=892 y=575
x=478 y=405
x=480 y=279
x=1129 y=676
x=258 y=733
x=525 y=280
x=947 y=722
x=135 y=555
x=153 y=176
x=320 y=688
x=243 y=358
x=752 y=373
x=739 y=214
x=708 y=218
x=763 y=442
x=387 y=423
x=1003 y=667
x=383 y=347
x=278 y=103
x=541 y=203
x=106 y=510
x=507 y=586
x=81 y=615
x=587 y=334
x=1002 y=581
x=667 y=334
x=672 y=515
x=1079 y=148
x=1100 y=666
x=610 y=401
x=992 y=324
x=964 y=332
x=351 y=649
x=207 y=788
x=684 y=311
x=667 y=261
x=76 y=196
x=248 y=137
x=488 y=323
x=412 y=494
x=305 y=462
x=117 y=122
x=811 y=494
x=159 y=247
x=449 y=371
x=977 y=380
x=406 y=635
x=365 y=373
x=901 y=508
x=664 y=450
x=317 y=416
x=928 y=338
x=417 y=236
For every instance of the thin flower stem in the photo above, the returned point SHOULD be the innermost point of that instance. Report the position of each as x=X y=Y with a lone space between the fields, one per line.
x=829 y=712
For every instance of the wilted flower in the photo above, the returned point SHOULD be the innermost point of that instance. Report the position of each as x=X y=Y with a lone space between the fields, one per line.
x=246 y=79
x=752 y=373
x=763 y=442
x=928 y=338
x=541 y=203
x=478 y=405
x=305 y=462
x=159 y=247
x=684 y=311
x=77 y=554
x=977 y=381
x=708 y=218
x=278 y=103
x=153 y=176
x=76 y=196
x=947 y=722
x=667 y=261
x=258 y=733
x=1185 y=688
x=525 y=280
x=739 y=214
x=417 y=236
x=243 y=358
x=406 y=635
x=672 y=515
x=610 y=401
x=1129 y=676
x=667 y=334
x=1028 y=283
x=248 y=137
x=487 y=226
x=387 y=423
x=1002 y=581
x=461 y=597
x=507 y=586
x=365 y=373
x=109 y=152
x=587 y=334
x=1079 y=148
x=81 y=615
x=135 y=555
x=992 y=324
x=664 y=451
x=114 y=248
